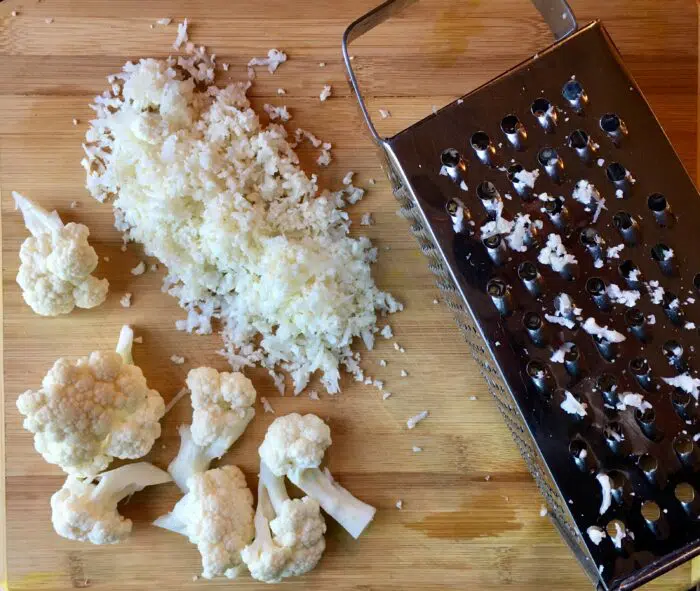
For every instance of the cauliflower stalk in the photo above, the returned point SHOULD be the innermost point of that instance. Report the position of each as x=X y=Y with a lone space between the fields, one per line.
x=223 y=407
x=88 y=513
x=56 y=263
x=294 y=446
x=298 y=528
x=90 y=410
x=216 y=515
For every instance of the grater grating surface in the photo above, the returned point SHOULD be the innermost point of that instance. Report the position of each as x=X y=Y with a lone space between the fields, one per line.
x=610 y=138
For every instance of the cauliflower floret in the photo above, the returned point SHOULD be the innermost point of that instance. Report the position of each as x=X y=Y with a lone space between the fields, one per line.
x=294 y=446
x=93 y=409
x=298 y=529
x=223 y=407
x=88 y=513
x=56 y=263
x=216 y=515
x=295 y=442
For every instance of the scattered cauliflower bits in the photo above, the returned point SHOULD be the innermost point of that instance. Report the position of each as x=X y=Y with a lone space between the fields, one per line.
x=222 y=202
x=93 y=409
x=56 y=263
x=216 y=515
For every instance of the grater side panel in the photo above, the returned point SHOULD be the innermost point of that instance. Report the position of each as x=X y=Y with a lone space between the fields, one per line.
x=506 y=348
x=490 y=372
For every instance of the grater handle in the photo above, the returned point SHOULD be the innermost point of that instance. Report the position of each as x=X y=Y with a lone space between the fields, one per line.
x=556 y=13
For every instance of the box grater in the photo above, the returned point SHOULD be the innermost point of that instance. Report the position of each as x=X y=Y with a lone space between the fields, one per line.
x=545 y=302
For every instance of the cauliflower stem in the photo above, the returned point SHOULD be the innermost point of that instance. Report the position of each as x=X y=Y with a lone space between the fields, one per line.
x=338 y=502
x=36 y=219
x=192 y=458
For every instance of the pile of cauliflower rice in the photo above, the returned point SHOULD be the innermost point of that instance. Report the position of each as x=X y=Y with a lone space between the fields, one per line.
x=246 y=236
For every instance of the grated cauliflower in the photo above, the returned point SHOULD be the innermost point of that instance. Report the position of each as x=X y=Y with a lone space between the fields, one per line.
x=88 y=513
x=222 y=202
x=56 y=263
x=90 y=410
x=223 y=407
x=216 y=515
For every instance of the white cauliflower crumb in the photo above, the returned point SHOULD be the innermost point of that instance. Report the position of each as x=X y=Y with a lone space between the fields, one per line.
x=325 y=93
x=404 y=373
x=614 y=251
x=49 y=20
x=656 y=292
x=138 y=340
x=689 y=326
x=586 y=193
x=619 y=193
x=382 y=362
x=74 y=204
x=566 y=322
x=379 y=384
x=266 y=405
x=573 y=406
x=554 y=254
x=164 y=21
x=313 y=395
x=281 y=92
x=600 y=161
x=628 y=297
x=651 y=319
x=606 y=491
x=386 y=395
x=634 y=400
x=366 y=219
x=559 y=355
x=685 y=382
x=75 y=121
x=387 y=333
x=347 y=179
x=596 y=534
x=602 y=332
x=413 y=421
x=273 y=60
x=321 y=64
x=399 y=504
x=139 y=269
x=384 y=113
x=417 y=449
x=275 y=113
x=182 y=36
x=543 y=511
x=525 y=178
x=177 y=359
x=125 y=300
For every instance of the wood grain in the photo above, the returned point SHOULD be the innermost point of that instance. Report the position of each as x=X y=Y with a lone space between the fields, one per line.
x=457 y=530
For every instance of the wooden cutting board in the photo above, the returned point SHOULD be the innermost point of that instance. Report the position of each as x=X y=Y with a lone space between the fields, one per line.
x=471 y=513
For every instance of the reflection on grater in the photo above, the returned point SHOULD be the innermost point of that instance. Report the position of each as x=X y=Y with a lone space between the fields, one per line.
x=561 y=226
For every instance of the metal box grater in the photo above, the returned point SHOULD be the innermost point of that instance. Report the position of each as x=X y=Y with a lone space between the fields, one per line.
x=569 y=114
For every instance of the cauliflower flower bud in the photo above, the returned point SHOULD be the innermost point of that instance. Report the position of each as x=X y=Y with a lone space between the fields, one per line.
x=88 y=513
x=294 y=446
x=216 y=515
x=56 y=263
x=90 y=410
x=223 y=407
x=298 y=528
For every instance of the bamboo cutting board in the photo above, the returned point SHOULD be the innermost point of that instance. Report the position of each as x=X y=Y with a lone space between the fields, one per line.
x=470 y=517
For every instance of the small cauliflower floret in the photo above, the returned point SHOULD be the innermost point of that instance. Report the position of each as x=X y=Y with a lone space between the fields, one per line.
x=223 y=407
x=90 y=410
x=88 y=513
x=294 y=446
x=56 y=263
x=298 y=529
x=216 y=515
